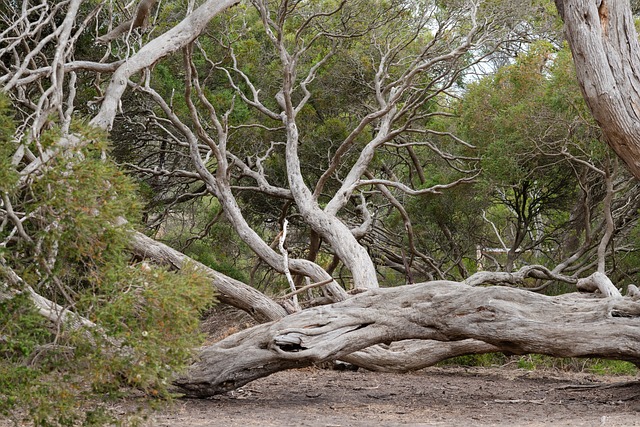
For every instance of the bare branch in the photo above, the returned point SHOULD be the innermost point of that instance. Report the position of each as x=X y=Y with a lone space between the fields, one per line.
x=285 y=264
x=176 y=38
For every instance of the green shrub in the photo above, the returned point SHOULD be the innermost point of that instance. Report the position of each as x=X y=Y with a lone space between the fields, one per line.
x=55 y=374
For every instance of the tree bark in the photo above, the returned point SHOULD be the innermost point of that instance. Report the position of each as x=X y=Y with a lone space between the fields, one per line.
x=176 y=38
x=230 y=291
x=411 y=355
x=606 y=52
x=511 y=320
x=598 y=282
x=140 y=19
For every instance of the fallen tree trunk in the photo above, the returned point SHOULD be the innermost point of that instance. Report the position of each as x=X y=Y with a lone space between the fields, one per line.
x=411 y=355
x=512 y=320
x=400 y=356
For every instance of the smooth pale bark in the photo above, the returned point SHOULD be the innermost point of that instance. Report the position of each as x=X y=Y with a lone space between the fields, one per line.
x=604 y=43
x=598 y=282
x=354 y=256
x=263 y=250
x=230 y=291
x=512 y=320
x=176 y=38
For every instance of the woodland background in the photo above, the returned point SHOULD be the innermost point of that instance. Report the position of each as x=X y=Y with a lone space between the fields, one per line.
x=392 y=158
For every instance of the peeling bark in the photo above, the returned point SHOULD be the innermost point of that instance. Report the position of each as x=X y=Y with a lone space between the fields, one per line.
x=606 y=52
x=511 y=320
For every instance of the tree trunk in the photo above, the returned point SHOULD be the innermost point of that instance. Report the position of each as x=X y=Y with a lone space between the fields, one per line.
x=604 y=43
x=169 y=42
x=510 y=320
x=411 y=355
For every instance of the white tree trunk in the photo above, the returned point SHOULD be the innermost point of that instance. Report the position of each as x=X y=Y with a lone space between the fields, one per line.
x=604 y=43
x=328 y=225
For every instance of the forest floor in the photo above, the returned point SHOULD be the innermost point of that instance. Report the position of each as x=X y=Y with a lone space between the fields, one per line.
x=444 y=396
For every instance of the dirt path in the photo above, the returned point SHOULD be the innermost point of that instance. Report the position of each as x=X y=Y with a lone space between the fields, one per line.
x=433 y=397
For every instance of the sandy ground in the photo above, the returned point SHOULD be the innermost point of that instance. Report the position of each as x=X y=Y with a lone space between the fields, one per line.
x=433 y=397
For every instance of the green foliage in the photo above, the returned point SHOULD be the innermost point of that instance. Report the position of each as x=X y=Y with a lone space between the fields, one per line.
x=148 y=317
x=219 y=260
x=78 y=199
x=22 y=329
x=450 y=225
x=522 y=105
x=481 y=360
x=532 y=362
x=26 y=361
x=149 y=322
x=8 y=174
x=153 y=314
x=612 y=367
x=532 y=129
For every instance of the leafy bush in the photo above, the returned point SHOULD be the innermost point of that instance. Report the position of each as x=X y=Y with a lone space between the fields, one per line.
x=73 y=253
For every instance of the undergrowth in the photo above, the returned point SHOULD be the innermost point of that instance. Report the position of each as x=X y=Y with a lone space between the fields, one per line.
x=533 y=362
x=72 y=252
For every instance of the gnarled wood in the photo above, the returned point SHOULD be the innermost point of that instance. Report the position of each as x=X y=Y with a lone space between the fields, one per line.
x=411 y=355
x=512 y=320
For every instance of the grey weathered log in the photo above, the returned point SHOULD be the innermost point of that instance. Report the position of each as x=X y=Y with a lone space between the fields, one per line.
x=512 y=320
x=606 y=52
